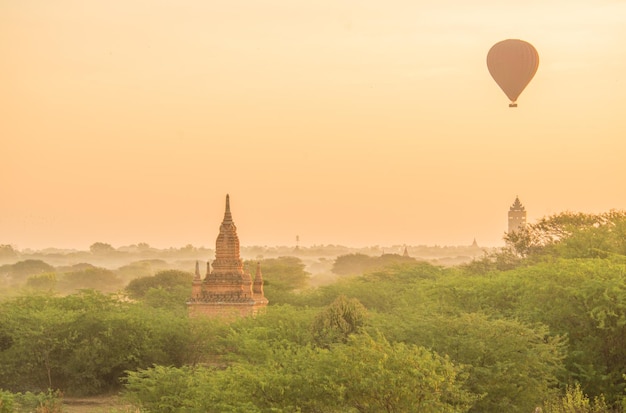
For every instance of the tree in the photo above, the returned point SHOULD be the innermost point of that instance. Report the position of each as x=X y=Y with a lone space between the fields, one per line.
x=575 y=401
x=101 y=248
x=142 y=268
x=338 y=321
x=7 y=252
x=168 y=280
x=95 y=278
x=84 y=343
x=583 y=299
x=380 y=290
x=379 y=376
x=42 y=282
x=168 y=389
x=33 y=327
x=250 y=337
x=283 y=273
x=573 y=235
x=48 y=402
x=171 y=299
x=282 y=277
x=21 y=270
x=513 y=365
x=363 y=375
x=352 y=264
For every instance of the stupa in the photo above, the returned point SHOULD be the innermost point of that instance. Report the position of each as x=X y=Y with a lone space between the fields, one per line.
x=227 y=290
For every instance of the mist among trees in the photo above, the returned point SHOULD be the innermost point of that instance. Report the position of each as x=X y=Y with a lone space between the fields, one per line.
x=540 y=323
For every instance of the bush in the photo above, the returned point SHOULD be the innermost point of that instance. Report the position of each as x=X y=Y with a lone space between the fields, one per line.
x=48 y=402
x=576 y=401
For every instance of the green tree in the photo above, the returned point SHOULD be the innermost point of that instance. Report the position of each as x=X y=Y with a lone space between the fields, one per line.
x=378 y=376
x=83 y=343
x=512 y=364
x=172 y=299
x=96 y=278
x=136 y=269
x=282 y=277
x=21 y=270
x=352 y=264
x=42 y=282
x=572 y=235
x=168 y=280
x=167 y=389
x=284 y=273
x=338 y=321
x=381 y=290
x=575 y=401
x=583 y=299
x=49 y=402
x=363 y=375
x=33 y=326
x=250 y=338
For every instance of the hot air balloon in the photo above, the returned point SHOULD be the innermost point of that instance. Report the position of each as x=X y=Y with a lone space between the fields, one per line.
x=512 y=63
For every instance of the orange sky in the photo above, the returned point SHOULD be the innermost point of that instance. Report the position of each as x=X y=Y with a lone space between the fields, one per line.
x=354 y=122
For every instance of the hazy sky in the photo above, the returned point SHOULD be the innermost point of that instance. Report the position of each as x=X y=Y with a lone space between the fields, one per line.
x=355 y=122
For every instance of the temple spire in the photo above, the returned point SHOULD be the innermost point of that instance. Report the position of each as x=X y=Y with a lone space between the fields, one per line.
x=227 y=215
x=517 y=215
x=197 y=277
x=227 y=289
x=517 y=205
x=257 y=287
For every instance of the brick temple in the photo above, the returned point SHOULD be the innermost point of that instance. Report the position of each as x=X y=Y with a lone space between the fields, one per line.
x=227 y=290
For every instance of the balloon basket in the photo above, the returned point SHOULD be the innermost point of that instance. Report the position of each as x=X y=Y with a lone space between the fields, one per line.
x=512 y=105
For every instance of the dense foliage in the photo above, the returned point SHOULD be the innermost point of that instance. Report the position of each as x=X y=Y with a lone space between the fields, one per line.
x=281 y=276
x=363 y=375
x=28 y=402
x=526 y=328
x=84 y=343
x=572 y=235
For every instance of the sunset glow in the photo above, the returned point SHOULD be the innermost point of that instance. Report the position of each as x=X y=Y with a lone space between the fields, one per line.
x=344 y=122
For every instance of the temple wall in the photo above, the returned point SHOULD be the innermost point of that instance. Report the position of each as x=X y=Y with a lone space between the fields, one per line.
x=224 y=311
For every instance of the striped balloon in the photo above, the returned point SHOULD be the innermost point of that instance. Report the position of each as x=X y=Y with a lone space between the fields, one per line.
x=512 y=63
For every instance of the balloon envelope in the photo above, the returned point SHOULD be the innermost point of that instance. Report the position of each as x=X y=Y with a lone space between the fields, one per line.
x=512 y=63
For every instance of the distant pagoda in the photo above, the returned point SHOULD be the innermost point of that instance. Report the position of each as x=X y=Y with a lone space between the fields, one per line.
x=517 y=215
x=406 y=252
x=227 y=290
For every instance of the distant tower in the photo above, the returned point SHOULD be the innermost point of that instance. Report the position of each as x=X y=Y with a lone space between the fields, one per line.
x=406 y=252
x=257 y=286
x=517 y=215
x=196 y=284
x=227 y=290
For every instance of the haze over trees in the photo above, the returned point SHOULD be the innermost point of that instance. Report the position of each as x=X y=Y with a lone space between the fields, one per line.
x=540 y=323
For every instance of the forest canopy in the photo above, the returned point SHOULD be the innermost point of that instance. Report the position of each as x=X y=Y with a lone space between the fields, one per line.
x=540 y=323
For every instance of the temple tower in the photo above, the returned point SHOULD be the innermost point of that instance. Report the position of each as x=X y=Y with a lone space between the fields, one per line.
x=257 y=286
x=196 y=284
x=517 y=215
x=227 y=290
